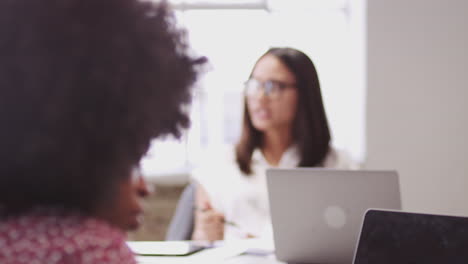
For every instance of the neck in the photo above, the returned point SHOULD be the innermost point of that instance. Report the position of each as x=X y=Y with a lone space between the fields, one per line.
x=275 y=143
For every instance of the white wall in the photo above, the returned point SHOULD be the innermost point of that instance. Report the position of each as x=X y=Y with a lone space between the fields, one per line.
x=417 y=104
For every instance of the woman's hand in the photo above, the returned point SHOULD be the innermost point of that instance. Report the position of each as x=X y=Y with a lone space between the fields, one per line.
x=209 y=223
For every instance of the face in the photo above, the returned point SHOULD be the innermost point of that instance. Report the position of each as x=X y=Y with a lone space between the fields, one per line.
x=126 y=209
x=277 y=110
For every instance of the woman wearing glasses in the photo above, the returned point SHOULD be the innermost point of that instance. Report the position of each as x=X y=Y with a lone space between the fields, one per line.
x=284 y=125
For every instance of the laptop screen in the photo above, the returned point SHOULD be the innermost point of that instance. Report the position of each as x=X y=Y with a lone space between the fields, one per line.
x=317 y=213
x=400 y=237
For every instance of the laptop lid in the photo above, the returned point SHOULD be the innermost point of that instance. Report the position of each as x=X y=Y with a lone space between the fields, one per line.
x=317 y=213
x=403 y=237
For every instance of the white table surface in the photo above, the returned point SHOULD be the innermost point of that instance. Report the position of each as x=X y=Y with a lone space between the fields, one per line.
x=252 y=259
x=241 y=259
x=233 y=253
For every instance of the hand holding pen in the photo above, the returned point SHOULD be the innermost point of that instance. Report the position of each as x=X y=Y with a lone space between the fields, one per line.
x=209 y=215
x=209 y=223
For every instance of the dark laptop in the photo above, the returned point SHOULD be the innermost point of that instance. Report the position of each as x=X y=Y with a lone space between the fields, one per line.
x=390 y=237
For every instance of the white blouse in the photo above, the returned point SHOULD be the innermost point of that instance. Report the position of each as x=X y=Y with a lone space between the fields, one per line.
x=243 y=199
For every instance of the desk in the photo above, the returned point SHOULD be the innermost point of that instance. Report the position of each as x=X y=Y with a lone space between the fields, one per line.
x=252 y=259
x=232 y=253
x=241 y=259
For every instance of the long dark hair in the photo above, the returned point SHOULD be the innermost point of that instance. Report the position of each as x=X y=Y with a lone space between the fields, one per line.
x=310 y=127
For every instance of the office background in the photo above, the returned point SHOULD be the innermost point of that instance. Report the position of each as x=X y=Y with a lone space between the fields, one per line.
x=417 y=87
x=415 y=111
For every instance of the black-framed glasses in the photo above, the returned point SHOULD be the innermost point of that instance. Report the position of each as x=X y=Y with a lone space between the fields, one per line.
x=271 y=88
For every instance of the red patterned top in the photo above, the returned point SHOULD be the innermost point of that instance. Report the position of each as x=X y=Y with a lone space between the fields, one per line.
x=54 y=236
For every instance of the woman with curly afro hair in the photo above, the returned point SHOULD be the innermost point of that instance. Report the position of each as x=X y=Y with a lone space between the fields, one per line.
x=85 y=85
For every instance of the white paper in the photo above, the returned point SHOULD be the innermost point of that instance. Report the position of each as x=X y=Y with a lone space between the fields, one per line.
x=206 y=256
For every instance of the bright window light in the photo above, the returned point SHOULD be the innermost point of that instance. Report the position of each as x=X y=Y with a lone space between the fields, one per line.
x=233 y=39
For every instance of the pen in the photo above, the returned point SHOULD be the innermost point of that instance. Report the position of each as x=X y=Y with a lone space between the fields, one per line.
x=233 y=224
x=227 y=222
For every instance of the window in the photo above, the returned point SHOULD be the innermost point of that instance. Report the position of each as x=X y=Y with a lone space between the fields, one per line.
x=233 y=34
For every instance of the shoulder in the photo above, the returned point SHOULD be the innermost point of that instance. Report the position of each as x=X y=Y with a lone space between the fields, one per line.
x=62 y=238
x=339 y=159
x=215 y=164
x=102 y=243
x=218 y=173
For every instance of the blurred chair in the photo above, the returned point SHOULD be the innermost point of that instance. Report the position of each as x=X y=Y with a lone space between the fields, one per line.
x=182 y=222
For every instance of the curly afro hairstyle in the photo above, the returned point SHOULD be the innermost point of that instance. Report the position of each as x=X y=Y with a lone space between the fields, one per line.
x=84 y=87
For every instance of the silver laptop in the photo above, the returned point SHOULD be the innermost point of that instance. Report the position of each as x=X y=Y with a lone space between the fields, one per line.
x=317 y=213
x=389 y=237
